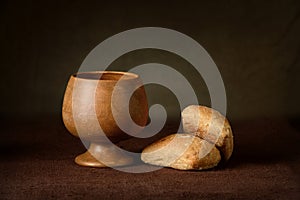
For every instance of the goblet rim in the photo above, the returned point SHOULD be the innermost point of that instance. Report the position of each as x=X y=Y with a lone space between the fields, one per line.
x=129 y=76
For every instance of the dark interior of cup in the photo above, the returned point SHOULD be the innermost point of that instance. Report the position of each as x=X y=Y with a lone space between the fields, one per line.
x=113 y=76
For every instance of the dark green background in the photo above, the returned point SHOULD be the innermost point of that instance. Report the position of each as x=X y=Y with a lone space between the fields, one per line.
x=255 y=44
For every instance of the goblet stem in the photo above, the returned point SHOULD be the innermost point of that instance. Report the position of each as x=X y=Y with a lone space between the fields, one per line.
x=103 y=155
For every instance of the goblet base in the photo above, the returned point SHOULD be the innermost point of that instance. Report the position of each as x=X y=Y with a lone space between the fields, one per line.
x=103 y=155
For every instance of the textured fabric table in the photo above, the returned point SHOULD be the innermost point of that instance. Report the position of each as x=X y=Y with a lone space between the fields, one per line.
x=37 y=163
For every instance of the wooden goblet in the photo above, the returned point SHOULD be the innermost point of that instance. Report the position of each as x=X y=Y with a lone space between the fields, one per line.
x=95 y=104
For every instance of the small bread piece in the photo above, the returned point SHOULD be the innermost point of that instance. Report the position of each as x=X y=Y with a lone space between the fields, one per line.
x=182 y=151
x=210 y=125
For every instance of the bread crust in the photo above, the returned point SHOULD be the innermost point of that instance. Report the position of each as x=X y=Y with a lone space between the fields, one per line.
x=183 y=152
x=209 y=125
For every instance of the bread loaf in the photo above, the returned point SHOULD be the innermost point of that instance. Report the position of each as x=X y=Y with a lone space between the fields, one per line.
x=209 y=125
x=182 y=151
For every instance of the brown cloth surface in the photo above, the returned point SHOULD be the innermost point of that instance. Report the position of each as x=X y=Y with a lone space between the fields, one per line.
x=37 y=163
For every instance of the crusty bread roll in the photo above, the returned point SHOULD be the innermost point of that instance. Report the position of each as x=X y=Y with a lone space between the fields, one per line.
x=209 y=125
x=182 y=151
